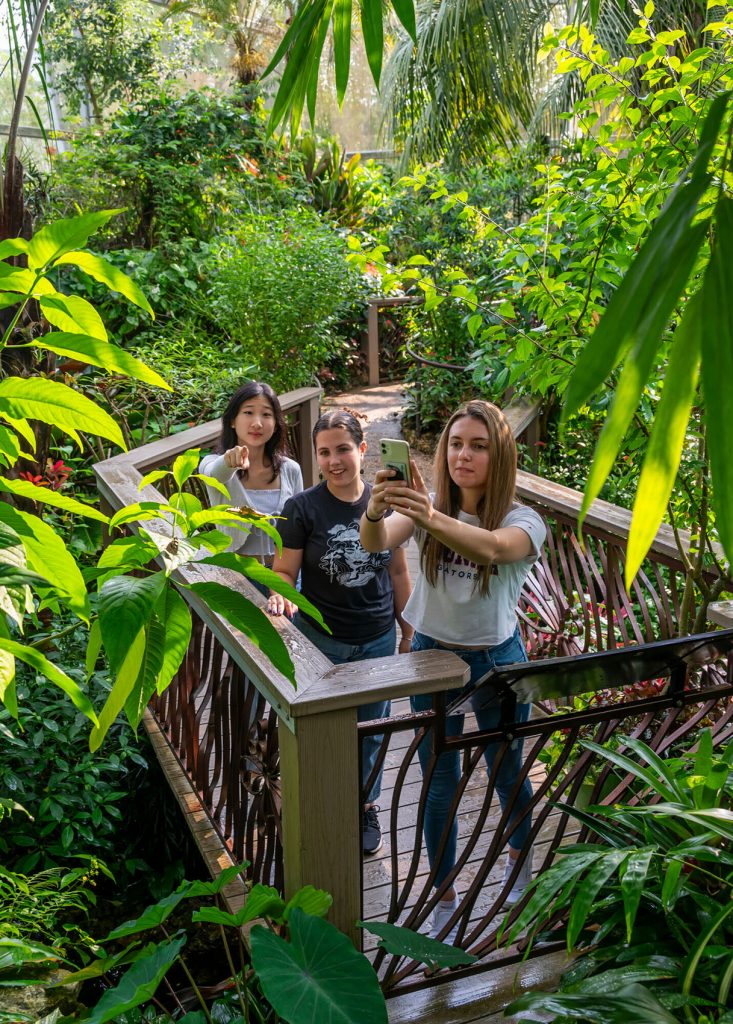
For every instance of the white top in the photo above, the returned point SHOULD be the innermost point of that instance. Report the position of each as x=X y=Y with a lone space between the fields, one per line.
x=453 y=611
x=253 y=542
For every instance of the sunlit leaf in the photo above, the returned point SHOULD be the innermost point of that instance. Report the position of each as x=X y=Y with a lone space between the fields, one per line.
x=104 y=272
x=48 y=496
x=73 y=314
x=55 y=403
x=61 y=236
x=100 y=353
x=39 y=662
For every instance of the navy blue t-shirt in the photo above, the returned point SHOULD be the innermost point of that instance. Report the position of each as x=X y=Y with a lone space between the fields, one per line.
x=351 y=587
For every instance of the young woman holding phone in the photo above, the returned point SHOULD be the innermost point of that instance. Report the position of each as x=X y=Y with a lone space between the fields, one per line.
x=476 y=547
x=359 y=594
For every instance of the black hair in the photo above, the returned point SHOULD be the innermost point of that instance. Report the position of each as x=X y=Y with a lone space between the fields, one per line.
x=339 y=418
x=276 y=446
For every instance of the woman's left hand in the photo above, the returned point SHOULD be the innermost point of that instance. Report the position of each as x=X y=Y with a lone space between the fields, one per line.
x=413 y=502
x=405 y=645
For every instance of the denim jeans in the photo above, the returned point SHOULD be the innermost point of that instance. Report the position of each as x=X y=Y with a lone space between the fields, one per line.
x=447 y=772
x=339 y=653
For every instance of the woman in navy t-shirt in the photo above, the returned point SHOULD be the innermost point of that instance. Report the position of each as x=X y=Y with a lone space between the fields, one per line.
x=359 y=593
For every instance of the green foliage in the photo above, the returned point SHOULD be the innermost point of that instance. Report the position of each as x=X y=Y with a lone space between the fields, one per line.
x=650 y=902
x=278 y=291
x=71 y=796
x=110 y=51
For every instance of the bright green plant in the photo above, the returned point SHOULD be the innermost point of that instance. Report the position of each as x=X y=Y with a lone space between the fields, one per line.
x=278 y=291
x=300 y=970
x=650 y=901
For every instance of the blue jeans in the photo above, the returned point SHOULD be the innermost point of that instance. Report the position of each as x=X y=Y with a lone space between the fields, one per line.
x=447 y=772
x=339 y=653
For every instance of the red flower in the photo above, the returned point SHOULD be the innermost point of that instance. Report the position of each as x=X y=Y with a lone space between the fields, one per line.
x=57 y=473
x=37 y=480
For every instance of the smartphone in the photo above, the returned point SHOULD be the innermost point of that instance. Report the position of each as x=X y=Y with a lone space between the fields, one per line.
x=396 y=455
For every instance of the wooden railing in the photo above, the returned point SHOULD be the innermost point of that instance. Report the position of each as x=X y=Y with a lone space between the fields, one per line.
x=276 y=771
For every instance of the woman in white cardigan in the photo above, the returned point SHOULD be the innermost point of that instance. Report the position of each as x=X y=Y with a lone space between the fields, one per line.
x=251 y=463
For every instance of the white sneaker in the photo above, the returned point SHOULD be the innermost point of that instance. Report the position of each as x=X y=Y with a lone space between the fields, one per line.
x=442 y=914
x=522 y=879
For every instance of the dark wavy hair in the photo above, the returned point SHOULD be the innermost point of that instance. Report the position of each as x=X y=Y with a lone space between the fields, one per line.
x=276 y=449
x=339 y=418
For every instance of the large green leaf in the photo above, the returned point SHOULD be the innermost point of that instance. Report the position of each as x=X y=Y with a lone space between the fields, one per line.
x=372 y=27
x=247 y=618
x=185 y=465
x=60 y=237
x=127 y=551
x=175 y=617
x=692 y=962
x=100 y=353
x=39 y=662
x=564 y=875
x=300 y=42
x=342 y=45
x=257 y=571
x=310 y=900
x=49 y=401
x=404 y=942
x=47 y=496
x=262 y=901
x=8 y=688
x=633 y=877
x=104 y=272
x=667 y=438
x=600 y=871
x=125 y=606
x=318 y=976
x=139 y=983
x=12 y=247
x=73 y=314
x=47 y=555
x=151 y=664
x=661 y=295
x=632 y=1004
x=121 y=689
x=717 y=363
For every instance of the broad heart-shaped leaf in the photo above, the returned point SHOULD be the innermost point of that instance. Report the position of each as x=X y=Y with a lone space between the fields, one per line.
x=667 y=438
x=372 y=27
x=175 y=618
x=318 y=976
x=125 y=606
x=404 y=942
x=100 y=353
x=647 y=332
x=35 y=398
x=262 y=901
x=247 y=618
x=257 y=571
x=104 y=272
x=74 y=314
x=60 y=237
x=717 y=362
x=156 y=913
x=50 y=497
x=139 y=983
x=36 y=660
x=47 y=555
x=121 y=689
x=185 y=465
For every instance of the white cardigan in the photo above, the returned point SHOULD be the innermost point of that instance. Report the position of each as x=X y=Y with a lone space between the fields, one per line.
x=254 y=542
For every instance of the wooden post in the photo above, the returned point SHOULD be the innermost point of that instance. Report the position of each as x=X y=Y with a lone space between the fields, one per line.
x=321 y=812
x=309 y=412
x=373 y=342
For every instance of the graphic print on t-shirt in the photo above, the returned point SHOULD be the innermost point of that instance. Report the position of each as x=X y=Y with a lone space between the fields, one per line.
x=345 y=561
x=453 y=564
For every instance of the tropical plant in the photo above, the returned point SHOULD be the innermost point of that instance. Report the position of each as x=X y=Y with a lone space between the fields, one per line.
x=300 y=970
x=279 y=289
x=648 y=903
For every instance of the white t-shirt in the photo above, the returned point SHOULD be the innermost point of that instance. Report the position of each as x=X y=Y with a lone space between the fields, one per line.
x=255 y=542
x=453 y=611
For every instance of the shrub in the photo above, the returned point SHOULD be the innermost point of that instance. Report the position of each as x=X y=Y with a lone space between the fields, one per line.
x=279 y=290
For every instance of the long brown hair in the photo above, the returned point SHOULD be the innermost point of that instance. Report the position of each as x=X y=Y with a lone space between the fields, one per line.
x=500 y=484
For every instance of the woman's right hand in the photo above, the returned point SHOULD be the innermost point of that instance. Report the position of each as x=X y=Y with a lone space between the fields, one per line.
x=237 y=457
x=279 y=605
x=377 y=505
